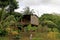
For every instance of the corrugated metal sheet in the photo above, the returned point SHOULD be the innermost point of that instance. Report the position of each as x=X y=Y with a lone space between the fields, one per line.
x=34 y=20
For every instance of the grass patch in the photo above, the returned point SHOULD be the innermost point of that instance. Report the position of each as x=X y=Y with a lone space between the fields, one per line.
x=4 y=38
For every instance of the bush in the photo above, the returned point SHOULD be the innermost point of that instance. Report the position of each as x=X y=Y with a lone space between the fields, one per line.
x=30 y=28
x=3 y=32
x=51 y=35
x=14 y=33
x=16 y=37
x=19 y=26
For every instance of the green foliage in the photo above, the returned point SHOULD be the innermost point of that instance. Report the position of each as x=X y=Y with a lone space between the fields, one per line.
x=10 y=18
x=4 y=15
x=0 y=14
x=12 y=5
x=3 y=32
x=18 y=16
x=34 y=28
x=19 y=25
x=17 y=37
x=4 y=3
x=50 y=24
x=31 y=28
x=6 y=24
x=51 y=17
x=55 y=30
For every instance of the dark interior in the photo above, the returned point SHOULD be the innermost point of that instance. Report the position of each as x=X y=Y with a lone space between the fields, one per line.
x=26 y=17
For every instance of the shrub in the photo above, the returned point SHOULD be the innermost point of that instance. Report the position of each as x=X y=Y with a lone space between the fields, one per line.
x=8 y=30
x=51 y=35
x=30 y=28
x=14 y=33
x=3 y=32
x=16 y=37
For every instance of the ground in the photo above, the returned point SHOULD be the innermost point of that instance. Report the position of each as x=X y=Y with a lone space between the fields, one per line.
x=37 y=36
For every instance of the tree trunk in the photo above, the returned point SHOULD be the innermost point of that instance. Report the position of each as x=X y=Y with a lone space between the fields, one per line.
x=1 y=13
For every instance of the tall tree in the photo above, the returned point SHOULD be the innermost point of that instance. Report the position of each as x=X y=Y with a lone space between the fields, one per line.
x=3 y=4
x=13 y=4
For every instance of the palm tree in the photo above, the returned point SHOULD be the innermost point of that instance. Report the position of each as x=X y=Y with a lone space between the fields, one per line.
x=28 y=11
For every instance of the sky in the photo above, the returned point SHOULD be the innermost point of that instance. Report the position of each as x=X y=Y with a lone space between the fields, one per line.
x=40 y=6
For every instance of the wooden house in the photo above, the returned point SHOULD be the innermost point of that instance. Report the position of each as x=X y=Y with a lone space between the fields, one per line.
x=30 y=19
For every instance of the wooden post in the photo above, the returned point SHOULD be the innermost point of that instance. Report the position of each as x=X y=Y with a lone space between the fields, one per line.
x=30 y=36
